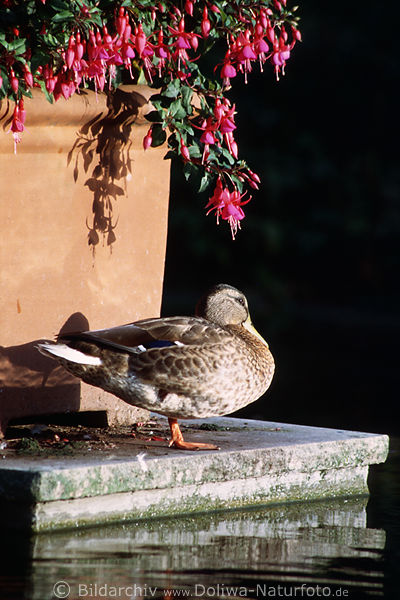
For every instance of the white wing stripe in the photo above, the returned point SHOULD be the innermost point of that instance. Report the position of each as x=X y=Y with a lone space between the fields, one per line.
x=64 y=351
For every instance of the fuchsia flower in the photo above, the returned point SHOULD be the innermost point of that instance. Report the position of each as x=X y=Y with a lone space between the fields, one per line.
x=140 y=39
x=228 y=71
x=161 y=51
x=148 y=139
x=184 y=151
x=17 y=123
x=184 y=41
x=122 y=21
x=163 y=38
x=14 y=81
x=205 y=24
x=28 y=77
x=208 y=137
x=189 y=7
x=227 y=205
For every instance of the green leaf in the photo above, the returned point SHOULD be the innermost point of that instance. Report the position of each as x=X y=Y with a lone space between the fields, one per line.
x=194 y=151
x=225 y=152
x=60 y=5
x=172 y=89
x=159 y=135
x=184 y=127
x=187 y=94
x=205 y=182
x=17 y=46
x=176 y=110
x=142 y=78
x=64 y=15
x=238 y=182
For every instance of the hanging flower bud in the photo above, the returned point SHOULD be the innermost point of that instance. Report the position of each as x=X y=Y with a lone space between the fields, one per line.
x=14 y=81
x=28 y=77
x=189 y=7
x=70 y=54
x=121 y=22
x=184 y=151
x=205 y=24
x=79 y=49
x=296 y=34
x=17 y=123
x=148 y=139
x=140 y=39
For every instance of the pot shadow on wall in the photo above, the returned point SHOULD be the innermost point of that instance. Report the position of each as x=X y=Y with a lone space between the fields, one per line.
x=32 y=384
x=103 y=147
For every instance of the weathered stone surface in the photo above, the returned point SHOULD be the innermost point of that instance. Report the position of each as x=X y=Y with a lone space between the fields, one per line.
x=258 y=463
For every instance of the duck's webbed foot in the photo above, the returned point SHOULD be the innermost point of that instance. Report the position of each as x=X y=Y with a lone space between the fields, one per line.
x=178 y=442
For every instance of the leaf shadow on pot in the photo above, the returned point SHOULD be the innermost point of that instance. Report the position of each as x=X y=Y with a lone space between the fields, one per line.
x=32 y=384
x=103 y=149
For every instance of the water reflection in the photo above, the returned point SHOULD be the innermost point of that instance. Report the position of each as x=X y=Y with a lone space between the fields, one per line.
x=299 y=550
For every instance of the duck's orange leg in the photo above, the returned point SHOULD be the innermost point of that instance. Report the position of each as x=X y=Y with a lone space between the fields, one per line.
x=178 y=441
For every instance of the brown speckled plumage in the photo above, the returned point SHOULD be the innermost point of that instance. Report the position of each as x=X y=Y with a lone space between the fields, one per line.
x=183 y=367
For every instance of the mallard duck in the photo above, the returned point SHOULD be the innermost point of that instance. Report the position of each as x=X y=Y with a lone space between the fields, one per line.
x=210 y=364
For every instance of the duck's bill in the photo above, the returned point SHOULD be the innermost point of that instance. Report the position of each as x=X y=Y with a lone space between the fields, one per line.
x=250 y=327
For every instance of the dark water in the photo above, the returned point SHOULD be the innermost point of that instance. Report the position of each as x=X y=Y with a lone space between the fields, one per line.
x=347 y=548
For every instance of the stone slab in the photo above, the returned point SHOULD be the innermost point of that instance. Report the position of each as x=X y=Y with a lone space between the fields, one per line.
x=258 y=463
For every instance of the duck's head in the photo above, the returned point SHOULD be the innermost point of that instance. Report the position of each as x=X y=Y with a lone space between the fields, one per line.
x=223 y=304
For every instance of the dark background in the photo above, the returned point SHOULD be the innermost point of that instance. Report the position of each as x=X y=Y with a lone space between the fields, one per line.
x=318 y=253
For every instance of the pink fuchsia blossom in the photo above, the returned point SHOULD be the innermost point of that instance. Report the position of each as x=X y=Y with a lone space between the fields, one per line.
x=228 y=206
x=228 y=71
x=184 y=41
x=218 y=199
x=182 y=37
x=226 y=124
x=18 y=123
x=161 y=51
x=208 y=137
x=140 y=39
x=261 y=48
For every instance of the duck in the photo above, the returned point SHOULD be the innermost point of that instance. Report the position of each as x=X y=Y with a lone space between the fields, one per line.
x=183 y=367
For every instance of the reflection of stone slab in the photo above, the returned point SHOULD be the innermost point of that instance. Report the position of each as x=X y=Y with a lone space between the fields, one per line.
x=258 y=463
x=323 y=543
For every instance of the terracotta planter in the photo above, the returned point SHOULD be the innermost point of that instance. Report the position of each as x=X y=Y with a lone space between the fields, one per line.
x=80 y=175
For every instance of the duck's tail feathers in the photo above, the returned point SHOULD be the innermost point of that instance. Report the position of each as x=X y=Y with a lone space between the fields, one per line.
x=67 y=353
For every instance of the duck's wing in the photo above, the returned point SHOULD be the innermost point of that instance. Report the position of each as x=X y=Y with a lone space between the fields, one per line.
x=177 y=354
x=147 y=334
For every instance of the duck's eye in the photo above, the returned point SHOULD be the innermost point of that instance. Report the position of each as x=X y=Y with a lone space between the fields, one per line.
x=241 y=301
